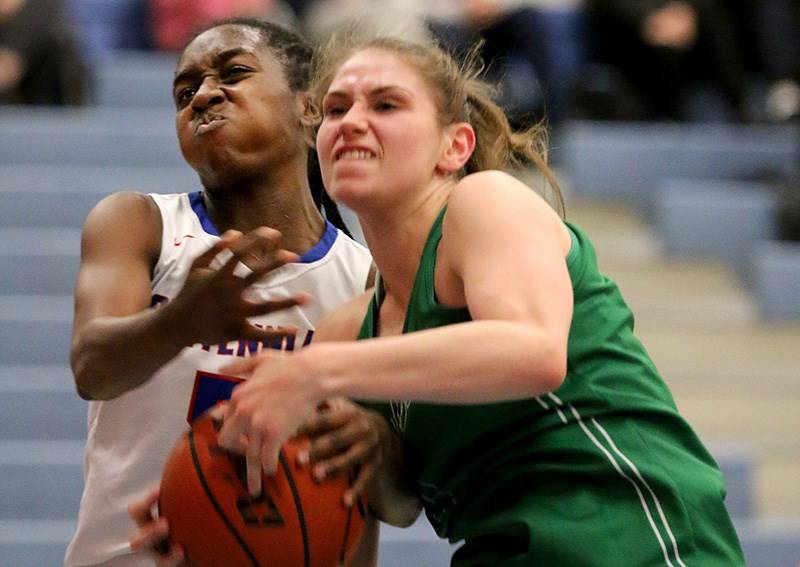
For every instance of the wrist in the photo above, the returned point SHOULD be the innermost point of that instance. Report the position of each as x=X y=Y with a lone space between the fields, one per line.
x=314 y=360
x=172 y=326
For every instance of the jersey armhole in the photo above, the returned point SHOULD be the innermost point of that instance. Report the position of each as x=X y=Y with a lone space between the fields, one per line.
x=574 y=248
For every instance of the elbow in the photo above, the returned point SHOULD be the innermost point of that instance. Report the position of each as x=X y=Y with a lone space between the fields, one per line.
x=554 y=375
x=400 y=515
x=83 y=383
x=550 y=367
x=87 y=385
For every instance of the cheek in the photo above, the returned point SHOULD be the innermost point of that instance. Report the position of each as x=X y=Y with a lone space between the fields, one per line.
x=185 y=144
x=324 y=144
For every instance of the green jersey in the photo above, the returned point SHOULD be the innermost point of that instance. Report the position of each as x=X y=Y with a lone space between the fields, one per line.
x=602 y=471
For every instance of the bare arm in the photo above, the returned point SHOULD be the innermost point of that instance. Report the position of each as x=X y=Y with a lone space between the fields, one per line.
x=118 y=342
x=505 y=260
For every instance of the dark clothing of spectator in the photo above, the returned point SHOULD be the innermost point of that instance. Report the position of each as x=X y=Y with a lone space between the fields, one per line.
x=44 y=63
x=665 y=76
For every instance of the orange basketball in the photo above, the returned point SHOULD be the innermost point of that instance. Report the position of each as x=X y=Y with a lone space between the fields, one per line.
x=296 y=522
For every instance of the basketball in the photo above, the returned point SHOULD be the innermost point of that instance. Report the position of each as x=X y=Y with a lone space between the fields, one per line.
x=296 y=522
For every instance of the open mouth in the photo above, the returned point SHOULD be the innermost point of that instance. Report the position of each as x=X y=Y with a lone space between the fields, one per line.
x=209 y=123
x=355 y=154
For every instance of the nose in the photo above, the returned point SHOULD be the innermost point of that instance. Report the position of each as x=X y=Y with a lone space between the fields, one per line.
x=208 y=94
x=354 y=120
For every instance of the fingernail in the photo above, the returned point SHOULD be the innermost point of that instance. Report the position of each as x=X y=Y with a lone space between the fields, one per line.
x=319 y=473
x=302 y=458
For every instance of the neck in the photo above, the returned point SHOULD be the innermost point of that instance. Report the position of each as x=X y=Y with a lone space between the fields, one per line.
x=285 y=206
x=396 y=241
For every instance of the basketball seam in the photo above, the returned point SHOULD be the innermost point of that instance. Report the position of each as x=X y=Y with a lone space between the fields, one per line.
x=201 y=477
x=298 y=506
x=346 y=534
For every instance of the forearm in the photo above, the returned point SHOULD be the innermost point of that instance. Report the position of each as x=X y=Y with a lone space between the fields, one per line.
x=475 y=362
x=113 y=355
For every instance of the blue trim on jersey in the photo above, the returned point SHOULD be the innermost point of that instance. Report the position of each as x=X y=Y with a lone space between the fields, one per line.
x=317 y=252
x=199 y=208
x=322 y=247
x=209 y=389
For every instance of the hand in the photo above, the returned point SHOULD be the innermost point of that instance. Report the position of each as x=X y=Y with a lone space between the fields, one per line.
x=213 y=300
x=266 y=409
x=153 y=533
x=344 y=437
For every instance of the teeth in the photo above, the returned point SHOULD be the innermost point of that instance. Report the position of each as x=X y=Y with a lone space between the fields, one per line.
x=355 y=154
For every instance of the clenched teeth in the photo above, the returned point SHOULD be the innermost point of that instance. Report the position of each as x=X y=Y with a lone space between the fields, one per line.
x=355 y=154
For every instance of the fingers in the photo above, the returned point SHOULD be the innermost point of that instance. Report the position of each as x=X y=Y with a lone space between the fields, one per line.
x=153 y=533
x=258 y=249
x=343 y=439
x=260 y=266
x=254 y=464
x=226 y=240
x=365 y=474
x=238 y=435
x=357 y=455
x=329 y=414
x=141 y=511
x=243 y=366
x=265 y=307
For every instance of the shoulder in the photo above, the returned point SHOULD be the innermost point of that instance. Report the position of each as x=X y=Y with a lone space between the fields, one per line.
x=344 y=323
x=126 y=218
x=125 y=204
x=495 y=193
x=497 y=201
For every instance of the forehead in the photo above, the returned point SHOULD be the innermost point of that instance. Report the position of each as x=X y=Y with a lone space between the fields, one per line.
x=374 y=68
x=209 y=44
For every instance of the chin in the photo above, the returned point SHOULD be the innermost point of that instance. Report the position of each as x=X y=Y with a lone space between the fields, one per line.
x=348 y=194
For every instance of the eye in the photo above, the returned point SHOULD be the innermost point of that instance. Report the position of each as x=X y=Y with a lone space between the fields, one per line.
x=333 y=109
x=235 y=73
x=183 y=96
x=385 y=106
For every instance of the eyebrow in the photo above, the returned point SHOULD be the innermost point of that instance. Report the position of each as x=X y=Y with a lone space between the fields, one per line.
x=218 y=59
x=374 y=92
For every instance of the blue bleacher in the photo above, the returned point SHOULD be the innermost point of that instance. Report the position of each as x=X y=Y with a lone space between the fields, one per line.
x=709 y=217
x=627 y=161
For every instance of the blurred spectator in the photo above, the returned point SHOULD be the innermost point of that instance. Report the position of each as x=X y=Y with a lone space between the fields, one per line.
x=174 y=22
x=40 y=60
x=771 y=31
x=532 y=49
x=670 y=59
x=321 y=18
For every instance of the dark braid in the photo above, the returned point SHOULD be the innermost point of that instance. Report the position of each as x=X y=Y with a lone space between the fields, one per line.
x=321 y=197
x=294 y=54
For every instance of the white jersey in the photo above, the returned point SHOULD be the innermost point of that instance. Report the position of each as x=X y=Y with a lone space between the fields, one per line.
x=130 y=437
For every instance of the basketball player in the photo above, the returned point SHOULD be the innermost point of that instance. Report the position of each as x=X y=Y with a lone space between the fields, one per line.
x=536 y=429
x=172 y=286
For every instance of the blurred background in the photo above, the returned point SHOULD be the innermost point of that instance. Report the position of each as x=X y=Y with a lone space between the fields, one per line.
x=675 y=133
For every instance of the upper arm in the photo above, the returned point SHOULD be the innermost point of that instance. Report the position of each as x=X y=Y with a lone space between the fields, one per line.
x=503 y=254
x=120 y=243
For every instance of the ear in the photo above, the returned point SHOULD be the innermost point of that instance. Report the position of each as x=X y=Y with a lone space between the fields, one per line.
x=459 y=140
x=306 y=112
